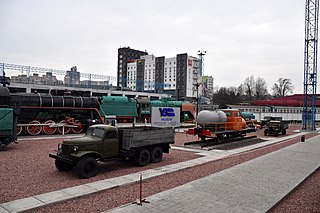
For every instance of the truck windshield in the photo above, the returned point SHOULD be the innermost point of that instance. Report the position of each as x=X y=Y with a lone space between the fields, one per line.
x=95 y=132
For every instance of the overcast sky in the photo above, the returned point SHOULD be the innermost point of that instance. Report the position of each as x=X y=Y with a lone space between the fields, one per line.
x=263 y=38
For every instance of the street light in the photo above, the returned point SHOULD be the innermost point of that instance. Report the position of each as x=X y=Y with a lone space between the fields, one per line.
x=197 y=85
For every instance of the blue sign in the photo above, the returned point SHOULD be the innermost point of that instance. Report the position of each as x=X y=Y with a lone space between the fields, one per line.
x=167 y=112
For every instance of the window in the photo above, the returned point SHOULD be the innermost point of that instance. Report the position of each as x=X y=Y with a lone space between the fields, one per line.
x=228 y=114
x=95 y=132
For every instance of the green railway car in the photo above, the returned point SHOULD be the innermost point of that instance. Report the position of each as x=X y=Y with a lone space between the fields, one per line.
x=127 y=109
x=124 y=108
x=8 y=119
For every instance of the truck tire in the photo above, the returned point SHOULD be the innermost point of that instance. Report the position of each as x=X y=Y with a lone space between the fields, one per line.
x=143 y=157
x=87 y=167
x=63 y=166
x=284 y=132
x=265 y=132
x=156 y=154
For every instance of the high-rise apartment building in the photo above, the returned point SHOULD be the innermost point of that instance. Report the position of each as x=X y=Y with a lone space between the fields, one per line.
x=208 y=86
x=126 y=54
x=177 y=76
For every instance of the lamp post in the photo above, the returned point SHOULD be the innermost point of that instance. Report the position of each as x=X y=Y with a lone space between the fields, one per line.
x=197 y=109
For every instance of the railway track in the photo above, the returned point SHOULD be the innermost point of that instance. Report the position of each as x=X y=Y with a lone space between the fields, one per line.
x=226 y=144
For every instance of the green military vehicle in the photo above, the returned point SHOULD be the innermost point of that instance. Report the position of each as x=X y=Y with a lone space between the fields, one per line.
x=105 y=143
x=274 y=127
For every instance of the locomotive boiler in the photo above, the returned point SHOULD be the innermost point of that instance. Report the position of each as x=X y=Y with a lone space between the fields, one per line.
x=49 y=114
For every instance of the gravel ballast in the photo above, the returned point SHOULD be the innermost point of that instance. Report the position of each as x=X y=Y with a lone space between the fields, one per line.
x=29 y=172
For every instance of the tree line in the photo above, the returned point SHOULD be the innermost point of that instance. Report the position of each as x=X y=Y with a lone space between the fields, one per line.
x=253 y=89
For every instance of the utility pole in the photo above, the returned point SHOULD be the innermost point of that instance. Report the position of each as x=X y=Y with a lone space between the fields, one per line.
x=310 y=64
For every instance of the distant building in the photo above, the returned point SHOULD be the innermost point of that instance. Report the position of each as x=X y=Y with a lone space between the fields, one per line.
x=96 y=84
x=208 y=86
x=126 y=54
x=72 y=77
x=177 y=76
x=47 y=79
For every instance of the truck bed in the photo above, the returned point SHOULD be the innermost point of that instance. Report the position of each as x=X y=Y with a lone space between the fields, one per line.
x=134 y=137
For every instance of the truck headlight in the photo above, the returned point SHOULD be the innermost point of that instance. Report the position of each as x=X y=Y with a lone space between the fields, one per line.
x=75 y=149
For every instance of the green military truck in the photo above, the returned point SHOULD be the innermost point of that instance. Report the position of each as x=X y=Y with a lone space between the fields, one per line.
x=274 y=127
x=105 y=143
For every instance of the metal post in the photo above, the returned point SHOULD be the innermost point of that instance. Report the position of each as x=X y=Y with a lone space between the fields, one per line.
x=197 y=110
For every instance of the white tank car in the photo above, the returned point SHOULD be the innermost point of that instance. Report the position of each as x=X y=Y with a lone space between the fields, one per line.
x=208 y=117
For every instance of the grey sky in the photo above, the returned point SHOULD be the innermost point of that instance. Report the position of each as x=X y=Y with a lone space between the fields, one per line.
x=263 y=38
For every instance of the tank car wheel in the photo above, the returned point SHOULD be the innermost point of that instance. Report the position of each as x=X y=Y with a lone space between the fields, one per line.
x=79 y=127
x=87 y=167
x=66 y=129
x=220 y=138
x=143 y=157
x=202 y=138
x=156 y=154
x=49 y=130
x=62 y=166
x=34 y=129
x=19 y=129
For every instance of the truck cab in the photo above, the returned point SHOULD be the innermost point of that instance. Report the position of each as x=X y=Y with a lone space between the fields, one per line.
x=107 y=138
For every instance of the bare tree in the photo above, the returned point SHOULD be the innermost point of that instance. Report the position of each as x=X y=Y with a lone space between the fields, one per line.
x=261 y=89
x=225 y=96
x=282 y=87
x=249 y=87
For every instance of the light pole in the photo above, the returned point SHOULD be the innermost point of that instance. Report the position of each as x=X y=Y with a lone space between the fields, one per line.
x=201 y=54
x=197 y=109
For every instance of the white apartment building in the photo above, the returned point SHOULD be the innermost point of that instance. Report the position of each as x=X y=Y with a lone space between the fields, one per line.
x=177 y=75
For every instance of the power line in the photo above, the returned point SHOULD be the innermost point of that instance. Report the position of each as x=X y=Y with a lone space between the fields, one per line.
x=31 y=69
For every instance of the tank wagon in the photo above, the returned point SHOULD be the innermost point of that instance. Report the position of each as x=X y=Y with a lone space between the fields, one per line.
x=127 y=109
x=220 y=124
x=44 y=113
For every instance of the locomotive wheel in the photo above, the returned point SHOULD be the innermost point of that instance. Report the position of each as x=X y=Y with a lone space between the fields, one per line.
x=49 y=130
x=34 y=129
x=66 y=129
x=19 y=129
x=79 y=127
